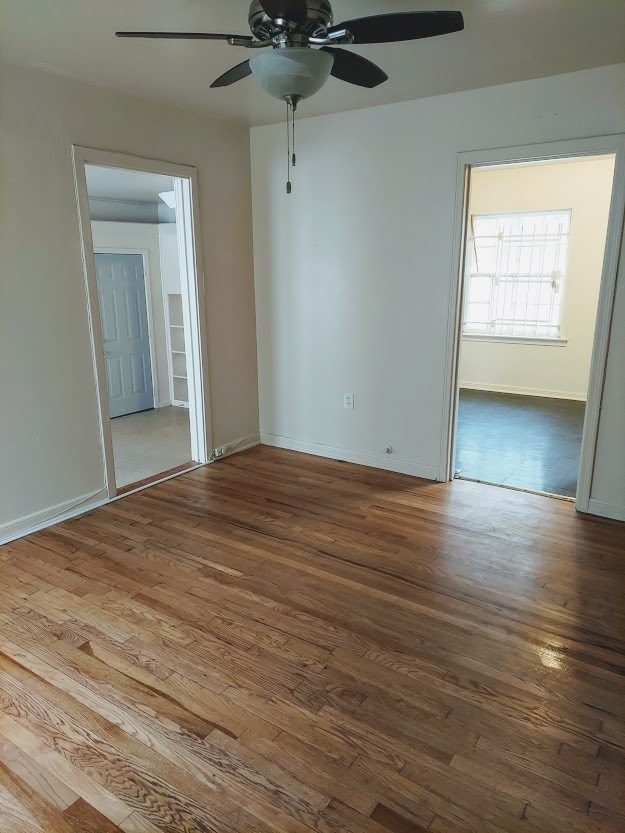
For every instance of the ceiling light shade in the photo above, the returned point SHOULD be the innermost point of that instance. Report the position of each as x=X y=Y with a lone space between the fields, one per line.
x=294 y=73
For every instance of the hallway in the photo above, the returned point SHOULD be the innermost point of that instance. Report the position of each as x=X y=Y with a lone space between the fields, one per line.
x=149 y=443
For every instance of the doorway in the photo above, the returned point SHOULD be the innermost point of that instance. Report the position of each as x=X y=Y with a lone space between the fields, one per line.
x=125 y=333
x=139 y=225
x=537 y=258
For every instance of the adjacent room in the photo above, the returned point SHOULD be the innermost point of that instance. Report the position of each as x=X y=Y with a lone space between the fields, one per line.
x=536 y=237
x=312 y=408
x=134 y=232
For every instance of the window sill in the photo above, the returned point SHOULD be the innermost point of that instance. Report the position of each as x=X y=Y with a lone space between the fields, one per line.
x=537 y=340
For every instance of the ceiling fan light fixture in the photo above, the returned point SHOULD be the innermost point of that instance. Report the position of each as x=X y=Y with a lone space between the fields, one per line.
x=292 y=74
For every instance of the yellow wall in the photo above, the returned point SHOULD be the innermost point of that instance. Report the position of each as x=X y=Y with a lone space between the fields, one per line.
x=585 y=187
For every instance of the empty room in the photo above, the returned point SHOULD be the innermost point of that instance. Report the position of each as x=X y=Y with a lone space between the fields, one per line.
x=312 y=361
x=535 y=249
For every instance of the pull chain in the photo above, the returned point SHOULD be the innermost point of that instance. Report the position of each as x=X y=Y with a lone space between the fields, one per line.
x=289 y=187
x=294 y=160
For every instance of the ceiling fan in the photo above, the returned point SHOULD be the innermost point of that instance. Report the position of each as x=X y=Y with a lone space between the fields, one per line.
x=292 y=70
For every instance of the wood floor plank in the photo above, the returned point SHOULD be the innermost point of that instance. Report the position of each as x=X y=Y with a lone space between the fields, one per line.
x=50 y=788
x=69 y=773
x=283 y=644
x=124 y=775
x=394 y=821
x=136 y=823
x=86 y=819
x=315 y=768
x=15 y=816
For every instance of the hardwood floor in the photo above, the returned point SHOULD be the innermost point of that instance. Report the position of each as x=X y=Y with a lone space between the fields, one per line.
x=283 y=643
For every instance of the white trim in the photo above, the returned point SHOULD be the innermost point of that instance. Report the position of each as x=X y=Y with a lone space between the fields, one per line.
x=115 y=159
x=95 y=321
x=460 y=243
x=170 y=357
x=376 y=461
x=50 y=517
x=546 y=394
x=80 y=506
x=193 y=314
x=147 y=279
x=606 y=510
x=493 y=215
x=573 y=148
x=511 y=488
x=188 y=227
x=601 y=344
x=235 y=447
x=536 y=340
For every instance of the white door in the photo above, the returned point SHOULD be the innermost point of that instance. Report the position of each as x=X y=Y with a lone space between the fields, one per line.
x=123 y=309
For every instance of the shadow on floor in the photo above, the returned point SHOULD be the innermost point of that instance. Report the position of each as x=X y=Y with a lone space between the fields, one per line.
x=525 y=441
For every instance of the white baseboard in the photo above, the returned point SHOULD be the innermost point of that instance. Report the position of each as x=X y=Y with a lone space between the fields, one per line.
x=235 y=447
x=606 y=510
x=49 y=517
x=165 y=403
x=376 y=461
x=71 y=508
x=547 y=394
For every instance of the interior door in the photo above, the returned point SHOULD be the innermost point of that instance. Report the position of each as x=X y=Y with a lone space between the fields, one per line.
x=123 y=309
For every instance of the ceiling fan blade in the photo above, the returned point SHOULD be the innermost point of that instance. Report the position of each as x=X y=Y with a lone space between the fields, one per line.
x=353 y=68
x=183 y=36
x=237 y=73
x=295 y=10
x=400 y=26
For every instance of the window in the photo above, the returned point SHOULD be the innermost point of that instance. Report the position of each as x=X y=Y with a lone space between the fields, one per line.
x=517 y=274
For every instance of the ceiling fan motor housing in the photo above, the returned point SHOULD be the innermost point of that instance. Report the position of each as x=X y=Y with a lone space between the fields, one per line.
x=320 y=18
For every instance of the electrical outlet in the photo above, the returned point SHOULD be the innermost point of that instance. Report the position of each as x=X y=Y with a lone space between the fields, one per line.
x=349 y=402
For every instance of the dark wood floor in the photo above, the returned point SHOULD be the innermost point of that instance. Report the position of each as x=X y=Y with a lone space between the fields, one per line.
x=282 y=643
x=529 y=442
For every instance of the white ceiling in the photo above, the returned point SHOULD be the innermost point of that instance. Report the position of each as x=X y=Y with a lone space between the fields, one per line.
x=132 y=186
x=504 y=40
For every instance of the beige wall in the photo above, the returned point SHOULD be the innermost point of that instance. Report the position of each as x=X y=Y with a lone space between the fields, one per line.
x=50 y=451
x=585 y=187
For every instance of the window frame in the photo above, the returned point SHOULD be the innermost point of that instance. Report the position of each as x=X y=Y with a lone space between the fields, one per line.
x=561 y=340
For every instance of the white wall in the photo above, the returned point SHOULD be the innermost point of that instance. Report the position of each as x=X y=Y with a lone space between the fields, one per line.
x=170 y=261
x=50 y=453
x=585 y=187
x=123 y=211
x=108 y=235
x=354 y=269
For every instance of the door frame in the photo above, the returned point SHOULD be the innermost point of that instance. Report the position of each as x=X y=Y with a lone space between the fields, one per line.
x=144 y=253
x=192 y=287
x=572 y=148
